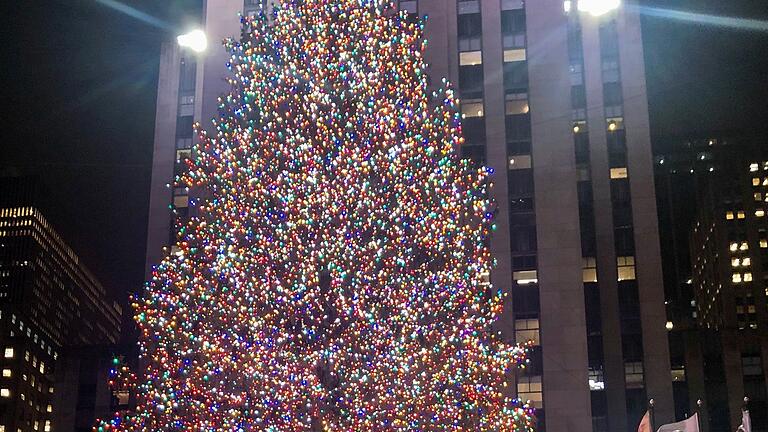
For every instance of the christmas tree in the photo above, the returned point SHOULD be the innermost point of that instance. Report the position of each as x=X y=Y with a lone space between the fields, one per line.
x=336 y=275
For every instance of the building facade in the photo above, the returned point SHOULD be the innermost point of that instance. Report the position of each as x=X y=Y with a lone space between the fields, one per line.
x=554 y=99
x=717 y=295
x=49 y=304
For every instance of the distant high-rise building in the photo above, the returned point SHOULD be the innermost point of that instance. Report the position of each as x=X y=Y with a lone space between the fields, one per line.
x=554 y=100
x=716 y=187
x=50 y=305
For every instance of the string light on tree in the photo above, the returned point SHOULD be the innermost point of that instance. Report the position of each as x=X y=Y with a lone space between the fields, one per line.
x=335 y=276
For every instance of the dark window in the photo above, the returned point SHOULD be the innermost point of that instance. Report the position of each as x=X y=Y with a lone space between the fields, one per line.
x=624 y=241
x=187 y=76
x=523 y=239
x=518 y=127
x=184 y=127
x=581 y=143
x=575 y=53
x=471 y=81
x=612 y=93
x=469 y=25
x=515 y=76
x=609 y=41
x=475 y=153
x=518 y=148
x=578 y=96
x=513 y=21
x=524 y=262
x=474 y=130
x=525 y=301
x=520 y=183
x=617 y=149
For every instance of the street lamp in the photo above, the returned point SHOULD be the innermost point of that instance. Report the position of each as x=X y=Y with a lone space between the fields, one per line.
x=194 y=40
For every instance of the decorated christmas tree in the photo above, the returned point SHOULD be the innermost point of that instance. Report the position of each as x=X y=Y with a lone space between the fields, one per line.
x=335 y=277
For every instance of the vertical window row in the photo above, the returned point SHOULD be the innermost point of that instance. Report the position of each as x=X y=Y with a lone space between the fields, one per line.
x=469 y=31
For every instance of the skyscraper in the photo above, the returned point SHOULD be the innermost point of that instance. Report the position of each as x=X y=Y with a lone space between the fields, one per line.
x=553 y=98
x=50 y=305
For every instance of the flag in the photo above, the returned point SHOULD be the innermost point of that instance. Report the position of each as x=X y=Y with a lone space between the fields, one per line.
x=645 y=423
x=746 y=422
x=690 y=424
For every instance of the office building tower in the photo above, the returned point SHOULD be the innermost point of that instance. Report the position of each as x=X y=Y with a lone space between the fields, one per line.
x=716 y=188
x=50 y=305
x=553 y=98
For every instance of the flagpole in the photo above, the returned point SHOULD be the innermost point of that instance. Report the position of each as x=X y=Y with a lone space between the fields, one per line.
x=653 y=415
x=699 y=403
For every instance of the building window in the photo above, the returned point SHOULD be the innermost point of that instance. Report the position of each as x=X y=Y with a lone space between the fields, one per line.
x=6 y=393
x=527 y=330
x=525 y=277
x=9 y=352
x=596 y=379
x=7 y=373
x=530 y=389
x=520 y=162
x=614 y=123
x=409 y=6
x=590 y=270
x=513 y=28
x=751 y=365
x=516 y=103
x=515 y=76
x=759 y=213
x=678 y=374
x=740 y=214
x=514 y=55
x=626 y=268
x=472 y=108
x=633 y=374
x=618 y=173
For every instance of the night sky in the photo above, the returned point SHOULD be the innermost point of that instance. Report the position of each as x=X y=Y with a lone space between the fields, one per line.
x=79 y=84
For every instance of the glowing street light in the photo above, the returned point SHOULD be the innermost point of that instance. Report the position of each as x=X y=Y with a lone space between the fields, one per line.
x=596 y=7
x=194 y=40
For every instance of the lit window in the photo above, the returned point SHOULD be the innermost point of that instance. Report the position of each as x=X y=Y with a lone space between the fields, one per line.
x=520 y=162
x=513 y=55
x=529 y=389
x=740 y=214
x=590 y=270
x=759 y=212
x=472 y=108
x=734 y=247
x=678 y=374
x=42 y=367
x=744 y=246
x=49 y=408
x=758 y=196
x=524 y=277
x=735 y=262
x=747 y=277
x=527 y=330
x=596 y=379
x=5 y=393
x=763 y=243
x=729 y=215
x=618 y=173
x=746 y=261
x=626 y=268
x=181 y=201
x=470 y=58
x=7 y=373
x=736 y=278
x=614 y=123
x=47 y=426
x=753 y=167
x=755 y=181
x=516 y=103
x=9 y=352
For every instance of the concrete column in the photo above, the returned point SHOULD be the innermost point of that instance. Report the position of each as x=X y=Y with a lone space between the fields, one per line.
x=563 y=326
